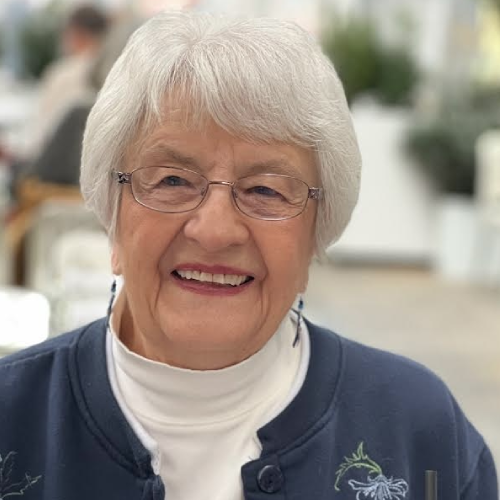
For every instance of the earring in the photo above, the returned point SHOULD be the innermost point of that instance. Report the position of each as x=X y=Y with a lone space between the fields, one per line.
x=300 y=308
x=111 y=301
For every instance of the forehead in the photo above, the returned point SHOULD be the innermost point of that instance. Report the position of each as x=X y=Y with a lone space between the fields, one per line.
x=206 y=146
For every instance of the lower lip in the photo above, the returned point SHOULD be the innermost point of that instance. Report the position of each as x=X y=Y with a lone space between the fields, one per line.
x=204 y=288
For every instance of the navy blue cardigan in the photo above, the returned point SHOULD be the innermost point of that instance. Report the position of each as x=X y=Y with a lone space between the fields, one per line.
x=365 y=425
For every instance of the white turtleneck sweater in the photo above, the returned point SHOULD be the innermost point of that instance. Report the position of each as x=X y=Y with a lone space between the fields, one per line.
x=200 y=426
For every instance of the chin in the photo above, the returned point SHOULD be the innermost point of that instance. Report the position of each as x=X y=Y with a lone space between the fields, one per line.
x=211 y=334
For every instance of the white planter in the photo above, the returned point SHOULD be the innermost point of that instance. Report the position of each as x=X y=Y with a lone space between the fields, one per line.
x=394 y=218
x=456 y=237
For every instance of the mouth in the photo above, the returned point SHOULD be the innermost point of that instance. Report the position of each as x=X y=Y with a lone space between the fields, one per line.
x=211 y=280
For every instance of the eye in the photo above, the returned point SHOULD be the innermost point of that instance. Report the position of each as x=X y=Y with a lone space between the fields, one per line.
x=174 y=180
x=264 y=191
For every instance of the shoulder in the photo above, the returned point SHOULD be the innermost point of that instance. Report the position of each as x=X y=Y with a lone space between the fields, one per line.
x=39 y=360
x=398 y=394
x=56 y=73
x=48 y=348
x=41 y=381
x=66 y=68
x=379 y=374
x=402 y=409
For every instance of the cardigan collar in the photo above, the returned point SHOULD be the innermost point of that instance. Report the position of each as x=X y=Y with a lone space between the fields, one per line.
x=313 y=403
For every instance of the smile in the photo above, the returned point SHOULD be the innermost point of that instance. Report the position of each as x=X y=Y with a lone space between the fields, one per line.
x=232 y=280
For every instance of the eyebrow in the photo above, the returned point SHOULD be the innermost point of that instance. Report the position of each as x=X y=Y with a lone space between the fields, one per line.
x=163 y=153
x=277 y=166
x=166 y=153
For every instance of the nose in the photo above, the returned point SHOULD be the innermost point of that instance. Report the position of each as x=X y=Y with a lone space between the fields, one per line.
x=217 y=224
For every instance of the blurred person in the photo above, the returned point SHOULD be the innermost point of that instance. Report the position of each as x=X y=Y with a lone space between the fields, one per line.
x=64 y=83
x=220 y=157
x=59 y=159
x=54 y=173
x=66 y=80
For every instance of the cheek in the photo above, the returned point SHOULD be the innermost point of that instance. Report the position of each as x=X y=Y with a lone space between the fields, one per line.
x=143 y=237
x=145 y=250
x=306 y=244
x=288 y=253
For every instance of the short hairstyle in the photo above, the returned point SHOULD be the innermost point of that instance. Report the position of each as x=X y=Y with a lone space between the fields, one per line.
x=263 y=80
x=89 y=19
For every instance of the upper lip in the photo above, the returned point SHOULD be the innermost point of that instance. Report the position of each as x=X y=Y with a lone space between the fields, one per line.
x=213 y=269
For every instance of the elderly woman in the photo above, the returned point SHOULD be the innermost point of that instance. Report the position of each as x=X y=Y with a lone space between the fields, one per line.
x=220 y=158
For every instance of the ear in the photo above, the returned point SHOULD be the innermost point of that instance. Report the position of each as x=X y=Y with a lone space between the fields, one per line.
x=115 y=260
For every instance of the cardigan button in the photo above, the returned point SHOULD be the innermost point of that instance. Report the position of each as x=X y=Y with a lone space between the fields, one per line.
x=270 y=479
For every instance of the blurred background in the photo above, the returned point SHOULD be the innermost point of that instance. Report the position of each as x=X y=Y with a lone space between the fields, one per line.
x=418 y=270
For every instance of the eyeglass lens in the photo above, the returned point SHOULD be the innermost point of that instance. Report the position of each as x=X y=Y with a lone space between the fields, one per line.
x=264 y=196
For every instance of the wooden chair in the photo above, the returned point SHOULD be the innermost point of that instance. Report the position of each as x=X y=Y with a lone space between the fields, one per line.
x=30 y=194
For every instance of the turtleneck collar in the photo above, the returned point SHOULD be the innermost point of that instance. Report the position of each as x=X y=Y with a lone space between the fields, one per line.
x=168 y=395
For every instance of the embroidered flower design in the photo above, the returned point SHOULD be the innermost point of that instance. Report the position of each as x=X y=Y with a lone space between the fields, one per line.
x=380 y=488
x=377 y=486
x=8 y=487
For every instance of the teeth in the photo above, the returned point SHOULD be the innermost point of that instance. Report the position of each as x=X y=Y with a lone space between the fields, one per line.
x=223 y=279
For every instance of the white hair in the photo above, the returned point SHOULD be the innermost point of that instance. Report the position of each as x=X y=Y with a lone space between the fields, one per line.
x=263 y=80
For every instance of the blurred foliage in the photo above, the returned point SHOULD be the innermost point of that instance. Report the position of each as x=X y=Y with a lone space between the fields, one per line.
x=496 y=4
x=39 y=39
x=365 y=64
x=444 y=147
x=352 y=50
x=397 y=77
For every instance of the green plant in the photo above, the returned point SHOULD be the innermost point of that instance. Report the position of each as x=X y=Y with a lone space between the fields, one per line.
x=444 y=148
x=397 y=76
x=39 y=39
x=367 y=65
x=495 y=3
x=353 y=49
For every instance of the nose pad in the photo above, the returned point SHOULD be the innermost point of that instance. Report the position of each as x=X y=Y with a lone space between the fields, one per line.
x=226 y=197
x=233 y=195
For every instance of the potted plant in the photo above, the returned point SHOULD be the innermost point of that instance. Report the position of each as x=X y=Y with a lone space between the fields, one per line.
x=379 y=73
x=368 y=65
x=443 y=147
x=39 y=39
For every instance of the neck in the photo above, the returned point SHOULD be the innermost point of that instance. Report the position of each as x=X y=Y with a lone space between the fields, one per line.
x=162 y=393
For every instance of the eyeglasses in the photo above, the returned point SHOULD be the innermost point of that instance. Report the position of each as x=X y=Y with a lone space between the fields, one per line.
x=175 y=190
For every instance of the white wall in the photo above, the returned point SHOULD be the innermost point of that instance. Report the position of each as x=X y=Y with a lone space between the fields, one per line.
x=394 y=217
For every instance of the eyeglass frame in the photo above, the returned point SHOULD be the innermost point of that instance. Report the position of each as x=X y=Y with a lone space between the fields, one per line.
x=313 y=193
